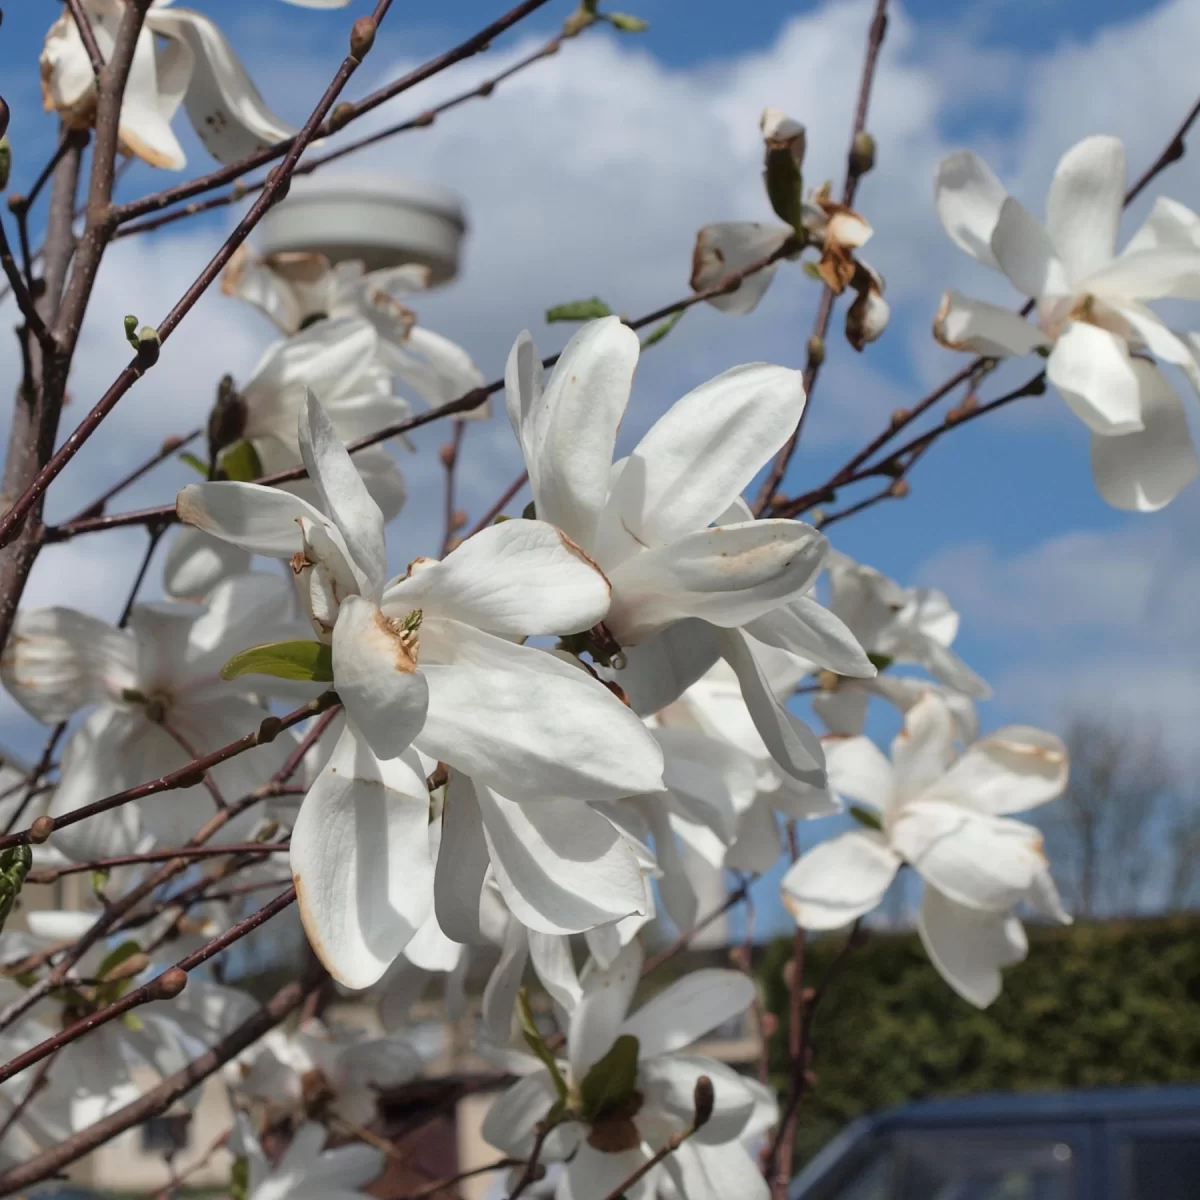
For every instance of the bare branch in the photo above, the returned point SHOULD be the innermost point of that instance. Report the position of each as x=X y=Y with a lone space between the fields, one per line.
x=87 y=35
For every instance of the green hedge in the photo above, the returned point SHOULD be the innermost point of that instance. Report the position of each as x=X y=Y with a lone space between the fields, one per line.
x=1114 y=1003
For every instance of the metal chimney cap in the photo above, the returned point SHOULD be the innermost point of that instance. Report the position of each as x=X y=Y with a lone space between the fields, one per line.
x=383 y=220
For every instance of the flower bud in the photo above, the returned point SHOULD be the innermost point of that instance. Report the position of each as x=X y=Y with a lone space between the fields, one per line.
x=899 y=489
x=703 y=1099
x=340 y=115
x=41 y=829
x=867 y=317
x=862 y=153
x=362 y=36
x=447 y=455
x=3 y=116
x=816 y=350
x=148 y=346
x=170 y=983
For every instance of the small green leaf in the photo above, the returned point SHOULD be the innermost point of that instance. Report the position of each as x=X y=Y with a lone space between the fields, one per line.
x=529 y=513
x=14 y=866
x=578 y=310
x=810 y=269
x=785 y=187
x=881 y=662
x=285 y=660
x=657 y=334
x=626 y=23
x=195 y=463
x=864 y=816
x=132 y=1022
x=239 y=1178
x=131 y=331
x=537 y=1043
x=241 y=462
x=5 y=161
x=611 y=1080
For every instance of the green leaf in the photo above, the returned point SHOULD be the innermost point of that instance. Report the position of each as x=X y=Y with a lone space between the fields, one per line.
x=864 y=816
x=785 y=187
x=578 y=310
x=131 y=330
x=657 y=334
x=611 y=1080
x=195 y=463
x=5 y=161
x=241 y=463
x=14 y=866
x=537 y=1043
x=239 y=1178
x=810 y=269
x=112 y=960
x=529 y=512
x=626 y=23
x=285 y=660
x=881 y=662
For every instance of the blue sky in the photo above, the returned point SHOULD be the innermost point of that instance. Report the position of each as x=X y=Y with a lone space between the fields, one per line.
x=589 y=175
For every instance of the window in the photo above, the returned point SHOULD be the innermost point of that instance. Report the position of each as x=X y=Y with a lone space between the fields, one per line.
x=970 y=1167
x=165 y=1134
x=1161 y=1167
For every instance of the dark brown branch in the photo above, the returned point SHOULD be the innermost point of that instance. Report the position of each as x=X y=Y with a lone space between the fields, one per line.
x=684 y=939
x=87 y=35
x=190 y=773
x=51 y=874
x=160 y=1098
x=818 y=337
x=154 y=536
x=169 y=447
x=20 y=289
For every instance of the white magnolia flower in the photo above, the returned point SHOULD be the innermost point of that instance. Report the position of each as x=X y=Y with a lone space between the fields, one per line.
x=424 y=665
x=608 y=1143
x=305 y=1170
x=300 y=291
x=684 y=592
x=906 y=626
x=157 y=702
x=1091 y=308
x=341 y=1067
x=193 y=65
x=946 y=818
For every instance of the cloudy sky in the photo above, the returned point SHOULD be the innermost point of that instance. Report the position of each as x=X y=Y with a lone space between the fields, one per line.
x=590 y=173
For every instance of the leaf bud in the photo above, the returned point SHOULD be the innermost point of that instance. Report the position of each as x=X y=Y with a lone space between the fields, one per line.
x=41 y=829
x=362 y=37
x=862 y=153
x=170 y=983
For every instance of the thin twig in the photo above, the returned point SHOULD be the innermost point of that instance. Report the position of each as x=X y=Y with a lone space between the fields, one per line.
x=684 y=939
x=154 y=533
x=532 y=1171
x=450 y=455
x=35 y=777
x=500 y=505
x=87 y=35
x=20 y=289
x=170 y=446
x=431 y=1189
x=51 y=874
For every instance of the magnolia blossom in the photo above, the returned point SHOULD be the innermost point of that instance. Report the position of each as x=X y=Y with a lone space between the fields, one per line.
x=905 y=626
x=684 y=592
x=301 y=290
x=157 y=701
x=424 y=667
x=194 y=65
x=607 y=1141
x=306 y=1170
x=947 y=818
x=316 y=1063
x=1090 y=307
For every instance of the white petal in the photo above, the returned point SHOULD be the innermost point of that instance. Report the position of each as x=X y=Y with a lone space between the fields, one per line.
x=757 y=845
x=1092 y=370
x=597 y=1018
x=511 y=1120
x=524 y=383
x=790 y=742
x=1025 y=253
x=522 y=729
x=727 y=575
x=1011 y=770
x=969 y=947
x=980 y=861
x=572 y=427
x=688 y=1009
x=711 y=778
x=223 y=105
x=519 y=578
x=965 y=324
x=1149 y=275
x=343 y=494
x=1144 y=471
x=551 y=958
x=729 y=1169
x=839 y=880
x=844 y=711
x=1169 y=225
x=730 y=246
x=561 y=866
x=668 y=1086
x=146 y=114
x=1083 y=209
x=660 y=669
x=808 y=629
x=924 y=748
x=377 y=679
x=701 y=454
x=969 y=197
x=593 y=1174
x=262 y=520
x=1165 y=345
x=196 y=562
x=360 y=860
x=500 y=994
x=461 y=862
x=858 y=769
x=59 y=660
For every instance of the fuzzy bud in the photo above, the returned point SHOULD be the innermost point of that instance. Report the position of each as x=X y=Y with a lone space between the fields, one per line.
x=340 y=115
x=447 y=455
x=16 y=202
x=362 y=37
x=3 y=116
x=899 y=489
x=899 y=417
x=170 y=983
x=816 y=351
x=41 y=829
x=148 y=346
x=862 y=154
x=458 y=518
x=703 y=1099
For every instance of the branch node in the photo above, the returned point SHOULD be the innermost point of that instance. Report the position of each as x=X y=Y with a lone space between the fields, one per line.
x=362 y=37
x=169 y=984
x=40 y=830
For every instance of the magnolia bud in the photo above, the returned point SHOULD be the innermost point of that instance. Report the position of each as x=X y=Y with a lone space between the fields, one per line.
x=447 y=455
x=340 y=115
x=41 y=829
x=3 y=116
x=899 y=417
x=170 y=983
x=458 y=518
x=148 y=346
x=5 y=161
x=703 y=1099
x=15 y=202
x=816 y=350
x=899 y=489
x=862 y=153
x=362 y=36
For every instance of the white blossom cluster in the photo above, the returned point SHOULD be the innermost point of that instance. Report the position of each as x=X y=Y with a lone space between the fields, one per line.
x=573 y=722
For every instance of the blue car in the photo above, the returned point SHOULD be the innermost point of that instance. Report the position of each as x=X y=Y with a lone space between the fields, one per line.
x=1099 y=1144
